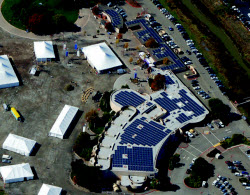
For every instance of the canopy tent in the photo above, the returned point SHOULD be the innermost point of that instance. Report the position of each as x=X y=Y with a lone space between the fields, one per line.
x=16 y=173
x=50 y=190
x=101 y=57
x=44 y=51
x=8 y=76
x=63 y=121
x=19 y=144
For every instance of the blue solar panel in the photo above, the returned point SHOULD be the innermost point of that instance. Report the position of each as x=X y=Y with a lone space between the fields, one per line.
x=149 y=104
x=135 y=158
x=189 y=105
x=142 y=133
x=126 y=98
x=159 y=126
x=169 y=81
x=116 y=19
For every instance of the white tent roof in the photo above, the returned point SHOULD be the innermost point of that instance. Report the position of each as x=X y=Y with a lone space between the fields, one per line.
x=14 y=173
x=19 y=144
x=101 y=56
x=49 y=190
x=63 y=121
x=44 y=49
x=8 y=76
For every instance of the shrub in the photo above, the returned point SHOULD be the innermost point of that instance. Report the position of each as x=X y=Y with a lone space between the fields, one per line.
x=193 y=182
x=105 y=101
x=235 y=140
x=151 y=43
x=219 y=109
x=213 y=153
x=158 y=82
x=242 y=180
x=69 y=87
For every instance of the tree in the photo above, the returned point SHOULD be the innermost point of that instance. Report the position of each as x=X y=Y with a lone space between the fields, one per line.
x=60 y=22
x=202 y=169
x=36 y=22
x=219 y=109
x=109 y=26
x=95 y=10
x=165 y=61
x=138 y=48
x=119 y=36
x=105 y=101
x=91 y=116
x=151 y=43
x=125 y=45
x=158 y=82
x=130 y=60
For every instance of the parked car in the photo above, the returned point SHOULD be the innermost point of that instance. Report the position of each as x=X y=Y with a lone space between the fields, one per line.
x=6 y=161
x=237 y=162
x=238 y=174
x=204 y=184
x=197 y=88
x=225 y=138
x=229 y=163
x=170 y=28
x=231 y=167
x=244 y=173
x=5 y=156
x=215 y=182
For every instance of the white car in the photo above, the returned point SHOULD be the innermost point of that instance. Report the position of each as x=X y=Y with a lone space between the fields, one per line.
x=215 y=182
x=221 y=124
x=194 y=159
x=197 y=88
x=238 y=174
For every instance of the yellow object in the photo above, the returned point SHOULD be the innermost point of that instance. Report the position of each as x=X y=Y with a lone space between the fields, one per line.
x=191 y=131
x=15 y=113
x=217 y=145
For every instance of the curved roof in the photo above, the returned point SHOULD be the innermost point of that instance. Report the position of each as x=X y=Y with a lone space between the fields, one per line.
x=19 y=144
x=49 y=190
x=101 y=56
x=44 y=49
x=8 y=76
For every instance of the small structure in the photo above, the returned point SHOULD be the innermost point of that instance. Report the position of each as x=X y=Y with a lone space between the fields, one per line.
x=101 y=57
x=16 y=173
x=50 y=190
x=8 y=76
x=63 y=121
x=19 y=144
x=44 y=51
x=114 y=18
x=15 y=114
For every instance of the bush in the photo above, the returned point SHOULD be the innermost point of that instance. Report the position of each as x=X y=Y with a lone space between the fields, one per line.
x=243 y=180
x=69 y=87
x=213 y=153
x=173 y=161
x=193 y=182
x=125 y=87
x=158 y=82
x=105 y=101
x=151 y=43
x=235 y=140
x=83 y=145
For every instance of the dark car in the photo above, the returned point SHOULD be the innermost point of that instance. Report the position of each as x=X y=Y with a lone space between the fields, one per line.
x=6 y=161
x=188 y=52
x=188 y=171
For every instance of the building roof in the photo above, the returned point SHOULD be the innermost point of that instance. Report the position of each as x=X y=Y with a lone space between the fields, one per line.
x=19 y=144
x=8 y=76
x=63 y=121
x=134 y=138
x=49 y=190
x=15 y=172
x=44 y=49
x=116 y=19
x=101 y=56
x=162 y=51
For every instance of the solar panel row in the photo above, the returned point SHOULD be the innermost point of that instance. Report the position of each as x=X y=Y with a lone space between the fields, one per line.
x=126 y=98
x=136 y=158
x=142 y=133
x=169 y=81
x=187 y=102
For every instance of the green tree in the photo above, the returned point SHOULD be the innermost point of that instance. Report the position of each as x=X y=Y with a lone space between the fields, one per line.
x=219 y=109
x=60 y=22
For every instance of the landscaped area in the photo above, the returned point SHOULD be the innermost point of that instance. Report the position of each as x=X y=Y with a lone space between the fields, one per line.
x=235 y=140
x=41 y=16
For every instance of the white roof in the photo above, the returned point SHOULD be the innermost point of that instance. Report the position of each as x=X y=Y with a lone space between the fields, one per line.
x=14 y=173
x=101 y=56
x=63 y=121
x=49 y=190
x=44 y=49
x=8 y=76
x=19 y=144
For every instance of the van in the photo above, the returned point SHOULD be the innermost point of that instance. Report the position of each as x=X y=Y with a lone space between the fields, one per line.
x=5 y=156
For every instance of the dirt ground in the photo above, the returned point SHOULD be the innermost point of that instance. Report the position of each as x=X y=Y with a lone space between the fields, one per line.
x=40 y=100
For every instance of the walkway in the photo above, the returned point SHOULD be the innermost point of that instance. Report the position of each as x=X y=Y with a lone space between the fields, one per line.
x=81 y=22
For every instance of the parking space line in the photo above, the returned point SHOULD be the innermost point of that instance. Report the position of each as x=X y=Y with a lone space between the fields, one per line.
x=195 y=148
x=189 y=152
x=207 y=139
x=215 y=136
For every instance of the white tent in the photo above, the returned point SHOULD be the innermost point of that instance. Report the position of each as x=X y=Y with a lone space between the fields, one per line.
x=8 y=76
x=44 y=51
x=101 y=57
x=63 y=121
x=16 y=173
x=50 y=190
x=19 y=144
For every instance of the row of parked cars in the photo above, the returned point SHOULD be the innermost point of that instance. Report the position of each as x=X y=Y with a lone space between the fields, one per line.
x=224 y=186
x=202 y=93
x=241 y=17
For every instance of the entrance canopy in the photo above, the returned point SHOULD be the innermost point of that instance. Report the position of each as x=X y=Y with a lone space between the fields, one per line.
x=44 y=50
x=50 y=190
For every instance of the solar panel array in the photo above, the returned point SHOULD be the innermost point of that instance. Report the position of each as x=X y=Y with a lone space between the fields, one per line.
x=158 y=53
x=157 y=125
x=135 y=158
x=189 y=105
x=142 y=133
x=169 y=81
x=149 y=104
x=116 y=18
x=126 y=98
